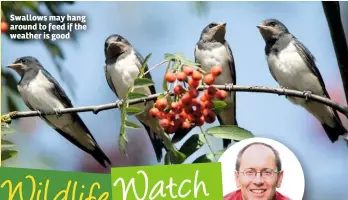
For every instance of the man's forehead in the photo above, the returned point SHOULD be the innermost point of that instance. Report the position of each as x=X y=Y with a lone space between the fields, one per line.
x=258 y=155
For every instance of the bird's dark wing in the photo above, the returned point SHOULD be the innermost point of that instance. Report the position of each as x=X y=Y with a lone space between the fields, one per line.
x=148 y=75
x=310 y=61
x=109 y=81
x=231 y=62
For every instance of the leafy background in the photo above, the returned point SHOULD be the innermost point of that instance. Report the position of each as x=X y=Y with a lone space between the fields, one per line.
x=159 y=28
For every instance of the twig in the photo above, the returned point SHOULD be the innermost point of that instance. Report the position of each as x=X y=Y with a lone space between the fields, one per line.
x=159 y=64
x=333 y=17
x=258 y=89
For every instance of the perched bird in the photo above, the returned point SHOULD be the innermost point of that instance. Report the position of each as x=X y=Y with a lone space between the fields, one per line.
x=122 y=66
x=213 y=50
x=41 y=92
x=293 y=66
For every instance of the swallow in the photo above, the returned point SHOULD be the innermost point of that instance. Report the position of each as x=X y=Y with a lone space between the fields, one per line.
x=122 y=67
x=293 y=66
x=213 y=50
x=41 y=92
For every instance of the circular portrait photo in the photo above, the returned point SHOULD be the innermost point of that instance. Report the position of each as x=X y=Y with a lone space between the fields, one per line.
x=261 y=169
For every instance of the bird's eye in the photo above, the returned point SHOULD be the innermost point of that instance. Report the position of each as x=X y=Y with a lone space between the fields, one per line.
x=118 y=39
x=272 y=23
x=211 y=25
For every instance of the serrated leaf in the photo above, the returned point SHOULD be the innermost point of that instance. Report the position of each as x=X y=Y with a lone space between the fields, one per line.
x=7 y=154
x=135 y=95
x=133 y=110
x=229 y=132
x=205 y=158
x=142 y=82
x=191 y=145
x=168 y=56
x=131 y=124
x=218 y=106
x=5 y=144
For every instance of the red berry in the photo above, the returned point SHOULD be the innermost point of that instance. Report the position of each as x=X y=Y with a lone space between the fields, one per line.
x=170 y=77
x=207 y=95
x=188 y=70
x=186 y=99
x=193 y=93
x=208 y=104
x=199 y=121
x=193 y=83
x=178 y=90
x=216 y=71
x=210 y=118
x=181 y=76
x=171 y=129
x=197 y=114
x=4 y=27
x=221 y=94
x=190 y=118
x=186 y=125
x=183 y=115
x=203 y=98
x=154 y=112
x=200 y=105
x=211 y=90
x=209 y=79
x=161 y=104
x=196 y=75
x=188 y=109
x=171 y=115
x=164 y=123
x=161 y=115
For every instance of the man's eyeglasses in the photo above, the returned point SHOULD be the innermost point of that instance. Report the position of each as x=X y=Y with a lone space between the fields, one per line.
x=251 y=173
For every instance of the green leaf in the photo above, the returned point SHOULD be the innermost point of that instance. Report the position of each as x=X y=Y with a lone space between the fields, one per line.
x=5 y=129
x=191 y=145
x=147 y=58
x=176 y=65
x=122 y=139
x=7 y=154
x=168 y=56
x=205 y=158
x=131 y=124
x=142 y=82
x=167 y=159
x=135 y=95
x=6 y=144
x=164 y=82
x=177 y=157
x=229 y=132
x=218 y=106
x=133 y=110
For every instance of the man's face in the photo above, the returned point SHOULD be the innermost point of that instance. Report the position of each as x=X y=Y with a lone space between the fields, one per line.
x=258 y=158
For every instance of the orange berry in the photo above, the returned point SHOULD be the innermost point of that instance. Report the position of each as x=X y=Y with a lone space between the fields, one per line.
x=183 y=115
x=161 y=115
x=181 y=76
x=161 y=104
x=211 y=90
x=193 y=93
x=164 y=123
x=203 y=98
x=4 y=27
x=221 y=94
x=193 y=83
x=178 y=89
x=153 y=112
x=188 y=70
x=216 y=71
x=170 y=77
x=207 y=95
x=186 y=125
x=196 y=75
x=209 y=79
x=208 y=104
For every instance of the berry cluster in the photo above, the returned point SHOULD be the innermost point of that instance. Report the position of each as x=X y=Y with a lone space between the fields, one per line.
x=188 y=108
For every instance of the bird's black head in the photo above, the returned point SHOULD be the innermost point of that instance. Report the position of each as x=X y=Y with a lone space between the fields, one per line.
x=24 y=64
x=272 y=29
x=214 y=31
x=115 y=45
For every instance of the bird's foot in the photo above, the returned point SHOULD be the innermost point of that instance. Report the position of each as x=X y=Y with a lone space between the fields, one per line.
x=284 y=88
x=58 y=112
x=229 y=86
x=41 y=112
x=119 y=103
x=307 y=94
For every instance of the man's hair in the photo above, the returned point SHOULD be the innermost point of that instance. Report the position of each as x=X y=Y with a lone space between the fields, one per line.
x=276 y=154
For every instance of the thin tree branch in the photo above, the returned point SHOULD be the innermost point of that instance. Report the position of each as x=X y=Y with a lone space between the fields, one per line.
x=257 y=89
x=333 y=16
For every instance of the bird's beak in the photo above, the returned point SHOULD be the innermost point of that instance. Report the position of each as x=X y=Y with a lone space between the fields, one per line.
x=261 y=27
x=221 y=26
x=15 y=66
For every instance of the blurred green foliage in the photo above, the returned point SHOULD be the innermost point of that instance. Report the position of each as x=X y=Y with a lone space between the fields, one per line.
x=22 y=8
